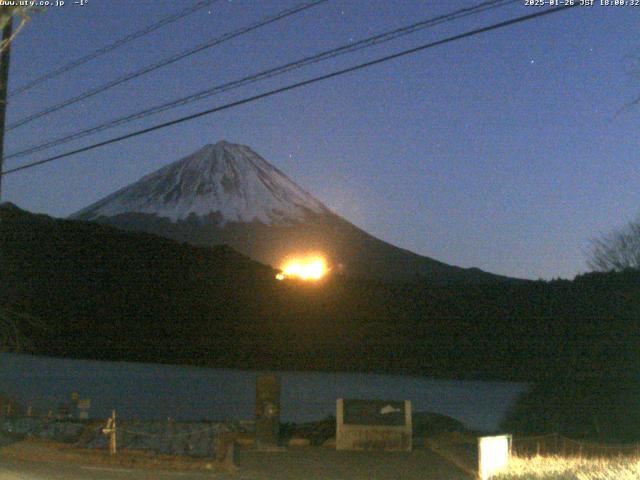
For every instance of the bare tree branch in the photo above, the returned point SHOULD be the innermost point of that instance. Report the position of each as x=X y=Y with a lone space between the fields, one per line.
x=618 y=250
x=6 y=13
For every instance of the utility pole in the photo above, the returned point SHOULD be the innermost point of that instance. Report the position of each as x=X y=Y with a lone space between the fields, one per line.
x=4 y=85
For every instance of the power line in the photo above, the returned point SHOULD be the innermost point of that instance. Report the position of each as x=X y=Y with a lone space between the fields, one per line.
x=265 y=74
x=165 y=62
x=5 y=56
x=293 y=86
x=118 y=43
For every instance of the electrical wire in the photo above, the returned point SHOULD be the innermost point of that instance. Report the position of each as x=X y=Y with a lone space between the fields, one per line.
x=108 y=48
x=325 y=55
x=164 y=62
x=296 y=85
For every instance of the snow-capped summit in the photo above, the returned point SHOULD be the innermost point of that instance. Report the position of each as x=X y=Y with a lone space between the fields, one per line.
x=227 y=180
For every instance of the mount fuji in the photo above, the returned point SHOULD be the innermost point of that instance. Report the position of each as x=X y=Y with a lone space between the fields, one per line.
x=228 y=194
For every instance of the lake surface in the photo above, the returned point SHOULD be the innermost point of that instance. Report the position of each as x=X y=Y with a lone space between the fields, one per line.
x=154 y=391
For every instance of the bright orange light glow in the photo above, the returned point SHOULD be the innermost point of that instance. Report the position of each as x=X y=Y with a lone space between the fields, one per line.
x=310 y=269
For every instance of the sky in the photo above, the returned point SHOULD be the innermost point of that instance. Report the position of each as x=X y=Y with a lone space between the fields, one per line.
x=508 y=151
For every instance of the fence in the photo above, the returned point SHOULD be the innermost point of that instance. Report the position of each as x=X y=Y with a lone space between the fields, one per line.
x=195 y=439
x=199 y=438
x=555 y=444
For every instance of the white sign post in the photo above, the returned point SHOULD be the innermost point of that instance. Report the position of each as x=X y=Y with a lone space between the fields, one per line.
x=493 y=454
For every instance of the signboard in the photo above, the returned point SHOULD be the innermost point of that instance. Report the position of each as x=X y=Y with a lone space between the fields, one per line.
x=373 y=424
x=374 y=412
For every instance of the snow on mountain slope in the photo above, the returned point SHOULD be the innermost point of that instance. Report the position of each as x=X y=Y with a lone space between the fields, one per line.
x=224 y=179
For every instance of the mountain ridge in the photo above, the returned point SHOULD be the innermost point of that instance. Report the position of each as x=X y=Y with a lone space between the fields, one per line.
x=103 y=293
x=227 y=194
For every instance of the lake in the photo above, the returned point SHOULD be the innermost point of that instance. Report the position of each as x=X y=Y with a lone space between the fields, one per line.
x=154 y=391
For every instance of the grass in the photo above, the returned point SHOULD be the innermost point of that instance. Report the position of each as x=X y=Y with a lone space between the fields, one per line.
x=42 y=450
x=571 y=468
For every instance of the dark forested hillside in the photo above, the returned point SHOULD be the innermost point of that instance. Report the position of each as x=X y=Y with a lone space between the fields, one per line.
x=107 y=294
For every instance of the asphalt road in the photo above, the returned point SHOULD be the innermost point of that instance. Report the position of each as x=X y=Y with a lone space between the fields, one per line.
x=305 y=463
x=312 y=464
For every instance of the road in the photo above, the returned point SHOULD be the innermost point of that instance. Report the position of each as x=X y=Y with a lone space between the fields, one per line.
x=311 y=464
x=34 y=459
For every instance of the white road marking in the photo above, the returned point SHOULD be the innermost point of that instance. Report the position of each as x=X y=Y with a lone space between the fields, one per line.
x=107 y=469
x=128 y=470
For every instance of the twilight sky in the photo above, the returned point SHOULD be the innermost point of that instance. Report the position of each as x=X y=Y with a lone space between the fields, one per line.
x=506 y=151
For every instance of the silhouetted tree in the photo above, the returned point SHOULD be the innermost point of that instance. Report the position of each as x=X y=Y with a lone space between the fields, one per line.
x=618 y=250
x=599 y=407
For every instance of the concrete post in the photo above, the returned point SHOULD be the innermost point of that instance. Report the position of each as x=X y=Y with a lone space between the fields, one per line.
x=267 y=412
